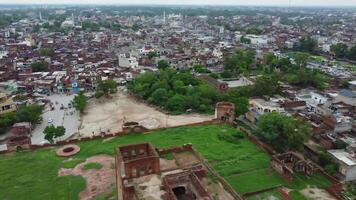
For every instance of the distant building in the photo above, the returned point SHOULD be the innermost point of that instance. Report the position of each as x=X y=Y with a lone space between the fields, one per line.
x=347 y=161
x=6 y=104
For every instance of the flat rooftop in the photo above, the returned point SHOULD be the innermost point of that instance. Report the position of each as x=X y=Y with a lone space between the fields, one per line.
x=343 y=156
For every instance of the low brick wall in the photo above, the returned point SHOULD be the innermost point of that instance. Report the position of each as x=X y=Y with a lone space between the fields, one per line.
x=117 y=134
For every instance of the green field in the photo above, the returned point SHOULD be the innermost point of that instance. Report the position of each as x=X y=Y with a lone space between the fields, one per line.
x=33 y=175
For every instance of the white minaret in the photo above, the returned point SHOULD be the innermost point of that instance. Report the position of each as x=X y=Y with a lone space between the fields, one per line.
x=40 y=16
x=164 y=17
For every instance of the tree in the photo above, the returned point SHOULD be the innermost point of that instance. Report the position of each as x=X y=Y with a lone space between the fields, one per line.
x=31 y=113
x=151 y=54
x=162 y=64
x=239 y=61
x=270 y=61
x=107 y=86
x=340 y=50
x=245 y=40
x=352 y=53
x=282 y=132
x=7 y=120
x=52 y=132
x=176 y=103
x=49 y=52
x=301 y=59
x=159 y=96
x=200 y=69
x=38 y=67
x=308 y=44
x=80 y=102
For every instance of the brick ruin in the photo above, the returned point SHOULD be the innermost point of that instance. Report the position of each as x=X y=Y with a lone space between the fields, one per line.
x=137 y=161
x=287 y=164
x=184 y=185
x=225 y=111
x=20 y=137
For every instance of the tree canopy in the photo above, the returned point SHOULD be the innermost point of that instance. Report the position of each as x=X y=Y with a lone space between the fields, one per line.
x=80 y=102
x=31 y=113
x=105 y=87
x=52 y=132
x=283 y=133
x=162 y=64
x=307 y=44
x=38 y=66
x=49 y=52
x=240 y=61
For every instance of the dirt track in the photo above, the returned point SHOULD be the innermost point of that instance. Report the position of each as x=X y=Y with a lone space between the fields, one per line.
x=109 y=114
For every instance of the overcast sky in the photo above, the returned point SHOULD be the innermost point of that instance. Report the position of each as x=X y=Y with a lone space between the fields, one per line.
x=197 y=2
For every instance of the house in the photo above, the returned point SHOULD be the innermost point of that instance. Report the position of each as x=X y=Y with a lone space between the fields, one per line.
x=258 y=107
x=347 y=161
x=6 y=104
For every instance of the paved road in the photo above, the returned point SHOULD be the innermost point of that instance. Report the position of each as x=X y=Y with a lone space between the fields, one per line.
x=59 y=118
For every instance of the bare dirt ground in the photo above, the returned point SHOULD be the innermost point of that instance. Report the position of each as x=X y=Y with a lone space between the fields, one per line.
x=166 y=165
x=217 y=190
x=186 y=159
x=109 y=114
x=317 y=194
x=98 y=181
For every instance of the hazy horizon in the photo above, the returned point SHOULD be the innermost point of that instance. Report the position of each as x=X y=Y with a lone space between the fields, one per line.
x=192 y=2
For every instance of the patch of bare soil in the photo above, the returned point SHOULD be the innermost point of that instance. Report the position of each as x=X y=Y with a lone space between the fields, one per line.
x=166 y=165
x=98 y=181
x=149 y=187
x=186 y=159
x=317 y=194
x=216 y=190
x=110 y=114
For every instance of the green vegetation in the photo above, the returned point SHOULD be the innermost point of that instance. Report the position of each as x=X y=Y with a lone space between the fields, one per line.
x=49 y=52
x=341 y=50
x=200 y=69
x=296 y=195
x=307 y=44
x=31 y=113
x=175 y=91
x=240 y=61
x=274 y=194
x=80 y=102
x=283 y=133
x=327 y=162
x=254 y=30
x=162 y=64
x=52 y=132
x=244 y=166
x=39 y=66
x=152 y=54
x=351 y=190
x=167 y=156
x=105 y=87
x=92 y=166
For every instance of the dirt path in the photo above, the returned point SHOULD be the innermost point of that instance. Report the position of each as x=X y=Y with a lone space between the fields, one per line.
x=98 y=181
x=109 y=114
x=317 y=194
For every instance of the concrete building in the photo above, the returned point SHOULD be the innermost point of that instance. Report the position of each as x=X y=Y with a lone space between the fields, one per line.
x=6 y=104
x=347 y=161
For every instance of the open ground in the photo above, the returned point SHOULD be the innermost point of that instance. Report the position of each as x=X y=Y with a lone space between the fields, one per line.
x=110 y=114
x=34 y=174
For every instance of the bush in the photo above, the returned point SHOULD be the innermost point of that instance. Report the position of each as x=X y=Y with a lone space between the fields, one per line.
x=99 y=94
x=232 y=138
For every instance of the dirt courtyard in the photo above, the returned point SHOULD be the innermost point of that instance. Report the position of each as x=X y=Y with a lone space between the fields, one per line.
x=98 y=181
x=109 y=114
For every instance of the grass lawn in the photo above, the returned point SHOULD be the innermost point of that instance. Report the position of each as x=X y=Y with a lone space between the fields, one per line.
x=92 y=166
x=274 y=194
x=34 y=175
x=255 y=180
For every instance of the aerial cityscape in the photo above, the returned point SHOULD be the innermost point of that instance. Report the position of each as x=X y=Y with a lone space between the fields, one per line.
x=156 y=100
